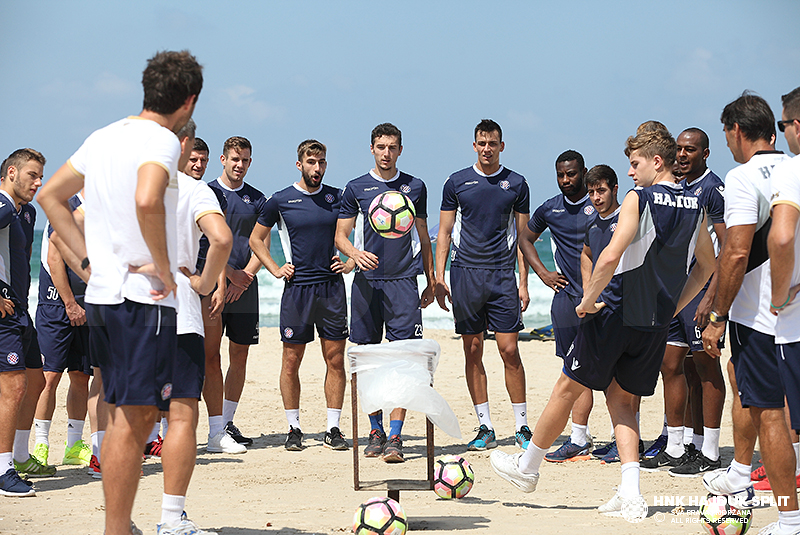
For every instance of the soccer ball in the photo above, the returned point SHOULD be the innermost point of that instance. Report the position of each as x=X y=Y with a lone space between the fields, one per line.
x=391 y=214
x=380 y=516
x=452 y=477
x=720 y=518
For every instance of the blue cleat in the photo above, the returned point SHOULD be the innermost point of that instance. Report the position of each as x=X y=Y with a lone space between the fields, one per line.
x=656 y=447
x=523 y=437
x=569 y=452
x=484 y=440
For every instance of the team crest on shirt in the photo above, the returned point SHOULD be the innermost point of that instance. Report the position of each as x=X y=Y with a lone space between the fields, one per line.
x=588 y=210
x=28 y=217
x=405 y=188
x=698 y=191
x=505 y=184
x=288 y=332
x=329 y=197
x=246 y=198
x=166 y=391
x=12 y=358
x=613 y=226
x=721 y=189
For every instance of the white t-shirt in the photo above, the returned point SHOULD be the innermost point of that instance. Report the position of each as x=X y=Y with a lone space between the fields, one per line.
x=195 y=200
x=109 y=160
x=747 y=193
x=786 y=190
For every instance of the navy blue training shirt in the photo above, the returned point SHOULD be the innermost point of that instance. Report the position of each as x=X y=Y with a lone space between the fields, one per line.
x=244 y=205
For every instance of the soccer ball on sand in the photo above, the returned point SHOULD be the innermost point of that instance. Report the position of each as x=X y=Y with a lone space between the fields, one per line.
x=380 y=516
x=718 y=517
x=452 y=477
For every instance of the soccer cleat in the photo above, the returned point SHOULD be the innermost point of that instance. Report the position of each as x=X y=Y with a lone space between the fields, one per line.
x=632 y=509
x=393 y=450
x=507 y=467
x=717 y=483
x=774 y=529
x=523 y=437
x=764 y=485
x=236 y=435
x=377 y=441
x=79 y=454
x=13 y=485
x=602 y=451
x=41 y=452
x=759 y=473
x=334 y=439
x=183 y=527
x=294 y=439
x=693 y=464
x=484 y=440
x=612 y=456
x=153 y=449
x=663 y=460
x=34 y=468
x=656 y=447
x=569 y=452
x=222 y=442
x=94 y=468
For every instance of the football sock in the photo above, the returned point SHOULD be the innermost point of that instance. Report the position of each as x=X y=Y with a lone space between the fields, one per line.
x=395 y=427
x=74 y=431
x=520 y=414
x=95 y=446
x=6 y=461
x=675 y=441
x=638 y=415
x=171 y=508
x=484 y=418
x=629 y=485
x=688 y=435
x=293 y=418
x=228 y=410
x=164 y=426
x=21 y=438
x=739 y=474
x=531 y=459
x=100 y=436
x=579 y=434
x=697 y=441
x=796 y=446
x=334 y=415
x=711 y=442
x=215 y=425
x=41 y=429
x=376 y=421
x=789 y=521
x=154 y=432
x=664 y=429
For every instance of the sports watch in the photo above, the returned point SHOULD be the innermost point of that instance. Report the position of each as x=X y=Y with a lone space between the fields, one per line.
x=713 y=317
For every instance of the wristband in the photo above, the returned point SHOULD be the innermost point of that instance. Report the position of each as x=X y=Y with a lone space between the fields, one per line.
x=788 y=298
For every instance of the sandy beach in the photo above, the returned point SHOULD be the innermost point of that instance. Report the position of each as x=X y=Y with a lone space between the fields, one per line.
x=272 y=491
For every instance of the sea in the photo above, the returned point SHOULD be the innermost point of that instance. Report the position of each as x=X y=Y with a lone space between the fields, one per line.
x=270 y=290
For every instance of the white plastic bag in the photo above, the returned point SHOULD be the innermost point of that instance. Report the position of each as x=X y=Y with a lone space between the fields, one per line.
x=399 y=375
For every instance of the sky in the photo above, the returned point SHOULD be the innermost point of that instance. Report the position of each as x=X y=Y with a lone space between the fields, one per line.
x=556 y=75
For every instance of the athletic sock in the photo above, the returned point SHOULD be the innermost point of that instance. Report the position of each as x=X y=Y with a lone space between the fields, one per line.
x=215 y=425
x=484 y=418
x=95 y=445
x=579 y=434
x=228 y=410
x=520 y=414
x=334 y=415
x=74 y=431
x=739 y=474
x=164 y=426
x=395 y=427
x=6 y=461
x=796 y=446
x=688 y=434
x=638 y=417
x=664 y=429
x=154 y=432
x=21 y=438
x=629 y=485
x=697 y=441
x=41 y=429
x=789 y=521
x=376 y=421
x=531 y=459
x=100 y=436
x=711 y=443
x=293 y=418
x=675 y=441
x=171 y=508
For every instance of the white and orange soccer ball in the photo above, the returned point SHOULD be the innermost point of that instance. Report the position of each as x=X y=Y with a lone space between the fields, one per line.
x=718 y=517
x=380 y=516
x=452 y=477
x=391 y=214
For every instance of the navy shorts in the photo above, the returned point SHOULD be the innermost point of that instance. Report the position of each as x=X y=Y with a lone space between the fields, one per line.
x=605 y=349
x=63 y=346
x=565 y=320
x=683 y=330
x=755 y=363
x=304 y=306
x=30 y=344
x=394 y=303
x=240 y=318
x=13 y=350
x=190 y=367
x=135 y=345
x=485 y=299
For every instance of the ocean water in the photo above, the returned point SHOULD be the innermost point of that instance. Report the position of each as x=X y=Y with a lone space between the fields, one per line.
x=433 y=317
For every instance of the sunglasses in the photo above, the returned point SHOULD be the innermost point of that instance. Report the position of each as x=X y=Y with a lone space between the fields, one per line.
x=783 y=124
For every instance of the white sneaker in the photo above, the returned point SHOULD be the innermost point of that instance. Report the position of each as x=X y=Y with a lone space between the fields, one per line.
x=507 y=467
x=223 y=443
x=184 y=527
x=773 y=529
x=631 y=509
x=717 y=483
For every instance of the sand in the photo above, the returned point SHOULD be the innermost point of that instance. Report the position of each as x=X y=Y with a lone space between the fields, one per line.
x=272 y=491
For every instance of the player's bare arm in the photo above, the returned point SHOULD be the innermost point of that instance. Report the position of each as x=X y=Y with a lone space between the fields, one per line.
x=365 y=260
x=220 y=241
x=706 y=262
x=421 y=224
x=780 y=243
x=524 y=297
x=586 y=264
x=260 y=240
x=447 y=220
x=58 y=274
x=150 y=211
x=704 y=306
x=526 y=242
x=54 y=199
